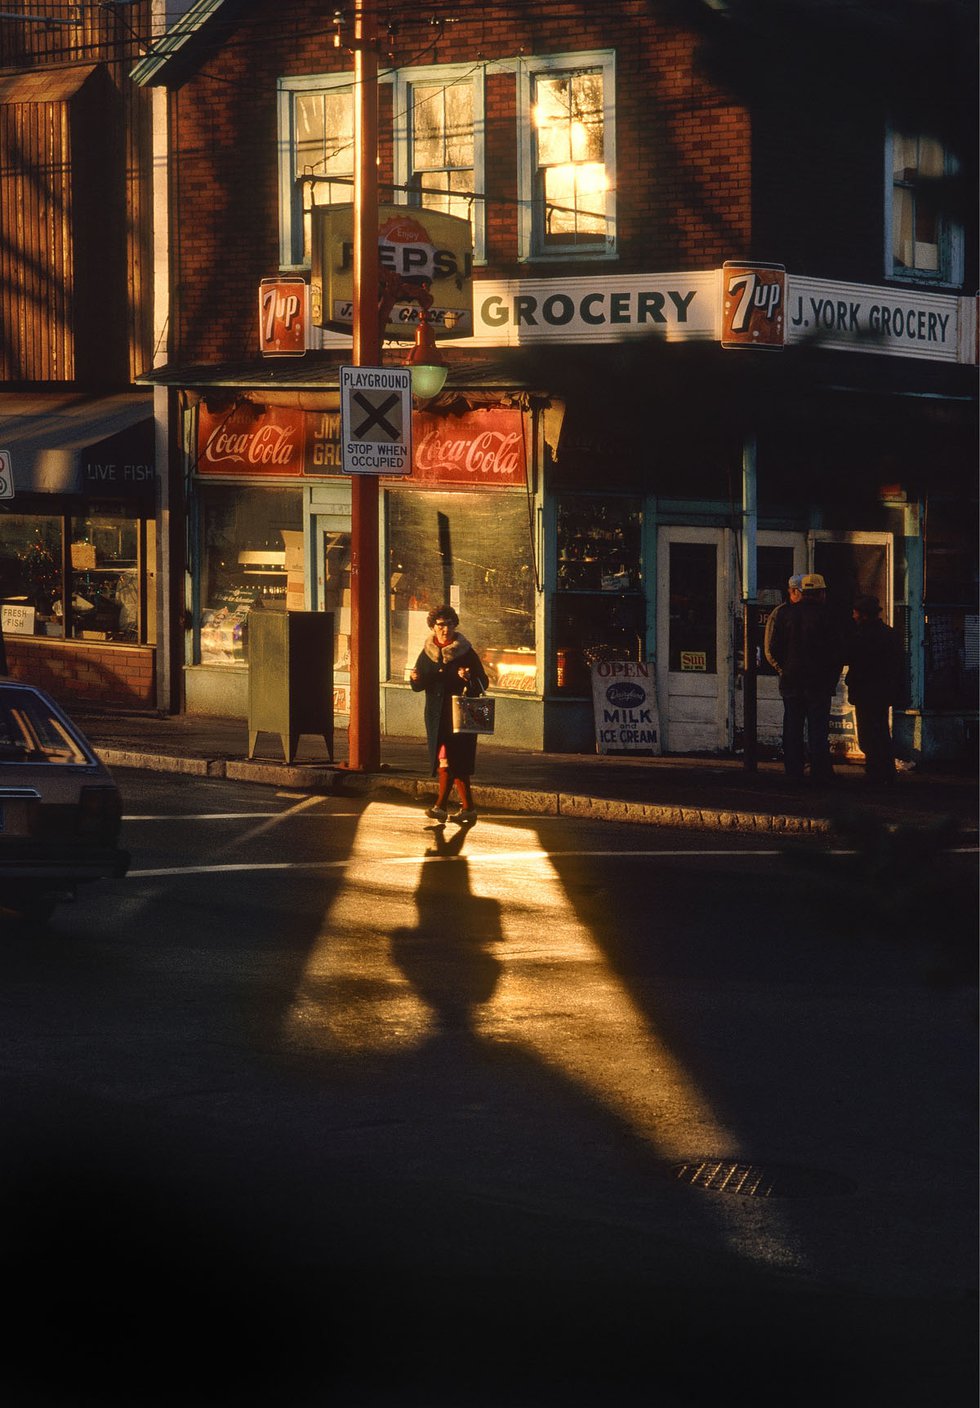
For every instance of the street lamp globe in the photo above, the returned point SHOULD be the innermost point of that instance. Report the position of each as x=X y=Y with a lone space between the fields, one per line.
x=428 y=366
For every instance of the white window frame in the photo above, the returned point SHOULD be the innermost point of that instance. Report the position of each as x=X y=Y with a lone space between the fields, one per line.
x=404 y=81
x=950 y=271
x=530 y=245
x=291 y=257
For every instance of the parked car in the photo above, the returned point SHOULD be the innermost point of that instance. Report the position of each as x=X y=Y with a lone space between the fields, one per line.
x=60 y=810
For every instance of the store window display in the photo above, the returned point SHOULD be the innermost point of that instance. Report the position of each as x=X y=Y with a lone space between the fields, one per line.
x=599 y=608
x=475 y=552
x=102 y=576
x=244 y=535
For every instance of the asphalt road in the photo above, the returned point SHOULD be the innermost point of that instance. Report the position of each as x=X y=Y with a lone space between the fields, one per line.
x=324 y=1105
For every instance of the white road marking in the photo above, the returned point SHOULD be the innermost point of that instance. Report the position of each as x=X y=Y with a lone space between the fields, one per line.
x=522 y=857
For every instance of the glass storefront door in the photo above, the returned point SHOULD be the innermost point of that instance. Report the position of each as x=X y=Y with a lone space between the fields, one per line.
x=333 y=593
x=694 y=650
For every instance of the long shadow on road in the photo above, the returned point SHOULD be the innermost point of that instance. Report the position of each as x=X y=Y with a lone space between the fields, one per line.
x=419 y=1205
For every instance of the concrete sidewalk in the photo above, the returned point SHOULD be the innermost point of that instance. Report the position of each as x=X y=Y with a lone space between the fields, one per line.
x=697 y=792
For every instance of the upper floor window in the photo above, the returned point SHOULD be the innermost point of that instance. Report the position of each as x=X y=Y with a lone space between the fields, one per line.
x=316 y=124
x=568 y=156
x=923 y=244
x=438 y=143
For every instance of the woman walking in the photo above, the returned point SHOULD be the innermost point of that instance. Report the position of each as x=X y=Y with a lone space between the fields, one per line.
x=448 y=665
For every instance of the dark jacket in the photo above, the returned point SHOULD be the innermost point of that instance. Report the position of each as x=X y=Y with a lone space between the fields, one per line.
x=875 y=665
x=807 y=648
x=438 y=675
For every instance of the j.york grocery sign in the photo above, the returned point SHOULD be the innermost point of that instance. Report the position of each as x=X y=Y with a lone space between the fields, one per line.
x=740 y=305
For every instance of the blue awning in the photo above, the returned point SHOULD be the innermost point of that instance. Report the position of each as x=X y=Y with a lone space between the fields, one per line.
x=70 y=444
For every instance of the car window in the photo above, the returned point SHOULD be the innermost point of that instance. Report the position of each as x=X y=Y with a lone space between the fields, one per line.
x=31 y=733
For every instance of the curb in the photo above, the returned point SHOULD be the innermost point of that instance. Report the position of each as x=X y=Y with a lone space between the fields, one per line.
x=326 y=778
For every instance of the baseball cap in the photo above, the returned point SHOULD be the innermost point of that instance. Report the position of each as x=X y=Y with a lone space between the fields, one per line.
x=813 y=582
x=796 y=583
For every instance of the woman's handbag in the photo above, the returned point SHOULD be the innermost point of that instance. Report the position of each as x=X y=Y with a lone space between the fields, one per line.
x=473 y=713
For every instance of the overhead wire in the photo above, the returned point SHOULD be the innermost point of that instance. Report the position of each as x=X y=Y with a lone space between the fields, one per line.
x=250 y=32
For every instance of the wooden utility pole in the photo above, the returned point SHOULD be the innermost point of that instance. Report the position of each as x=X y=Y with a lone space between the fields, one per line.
x=364 y=730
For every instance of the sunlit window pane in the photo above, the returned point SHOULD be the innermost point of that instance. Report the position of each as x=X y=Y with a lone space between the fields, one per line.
x=324 y=134
x=427 y=128
x=903 y=211
x=931 y=157
x=904 y=157
x=459 y=125
x=568 y=122
x=917 y=163
x=442 y=147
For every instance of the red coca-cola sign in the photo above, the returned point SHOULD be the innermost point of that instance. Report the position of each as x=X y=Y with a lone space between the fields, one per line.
x=483 y=449
x=266 y=440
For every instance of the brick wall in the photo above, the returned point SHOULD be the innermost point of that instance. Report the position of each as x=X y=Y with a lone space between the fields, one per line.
x=682 y=148
x=109 y=674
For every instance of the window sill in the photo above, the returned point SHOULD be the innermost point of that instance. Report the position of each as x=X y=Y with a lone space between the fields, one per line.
x=571 y=255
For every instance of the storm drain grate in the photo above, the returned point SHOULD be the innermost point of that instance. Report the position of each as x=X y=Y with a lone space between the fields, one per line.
x=760 y=1180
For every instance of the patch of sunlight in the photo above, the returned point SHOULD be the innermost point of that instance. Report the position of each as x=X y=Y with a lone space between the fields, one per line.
x=584 y=1022
x=552 y=990
x=351 y=996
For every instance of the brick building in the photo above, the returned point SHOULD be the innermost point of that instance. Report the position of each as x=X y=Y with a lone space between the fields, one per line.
x=720 y=327
x=78 y=466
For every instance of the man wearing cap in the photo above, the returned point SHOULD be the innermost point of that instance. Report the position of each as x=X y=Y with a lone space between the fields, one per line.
x=794 y=593
x=807 y=649
x=875 y=683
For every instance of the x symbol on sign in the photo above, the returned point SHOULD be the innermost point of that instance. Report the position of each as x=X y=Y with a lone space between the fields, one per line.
x=376 y=416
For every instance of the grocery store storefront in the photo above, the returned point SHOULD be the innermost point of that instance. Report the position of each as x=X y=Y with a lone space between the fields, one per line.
x=586 y=504
x=268 y=519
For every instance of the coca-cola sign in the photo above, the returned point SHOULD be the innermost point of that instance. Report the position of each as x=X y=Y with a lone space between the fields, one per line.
x=483 y=449
x=267 y=440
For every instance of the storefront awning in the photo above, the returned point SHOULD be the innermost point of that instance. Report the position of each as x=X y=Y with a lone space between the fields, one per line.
x=77 y=444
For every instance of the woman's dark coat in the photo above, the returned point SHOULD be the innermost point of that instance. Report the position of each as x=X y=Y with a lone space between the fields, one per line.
x=438 y=675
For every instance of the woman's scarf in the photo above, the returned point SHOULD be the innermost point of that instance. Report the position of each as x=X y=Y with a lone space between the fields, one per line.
x=445 y=654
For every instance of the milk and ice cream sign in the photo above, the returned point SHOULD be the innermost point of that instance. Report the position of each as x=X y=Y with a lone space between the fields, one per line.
x=624 y=699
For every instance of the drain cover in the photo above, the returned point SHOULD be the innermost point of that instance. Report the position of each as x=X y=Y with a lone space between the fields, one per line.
x=760 y=1180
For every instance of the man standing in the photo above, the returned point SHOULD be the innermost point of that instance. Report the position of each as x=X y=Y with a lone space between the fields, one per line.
x=795 y=594
x=808 y=651
x=875 y=682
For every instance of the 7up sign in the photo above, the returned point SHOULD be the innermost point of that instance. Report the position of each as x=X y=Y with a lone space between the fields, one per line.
x=753 y=300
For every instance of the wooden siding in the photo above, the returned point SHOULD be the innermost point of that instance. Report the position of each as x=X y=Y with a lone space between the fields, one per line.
x=36 y=247
x=75 y=201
